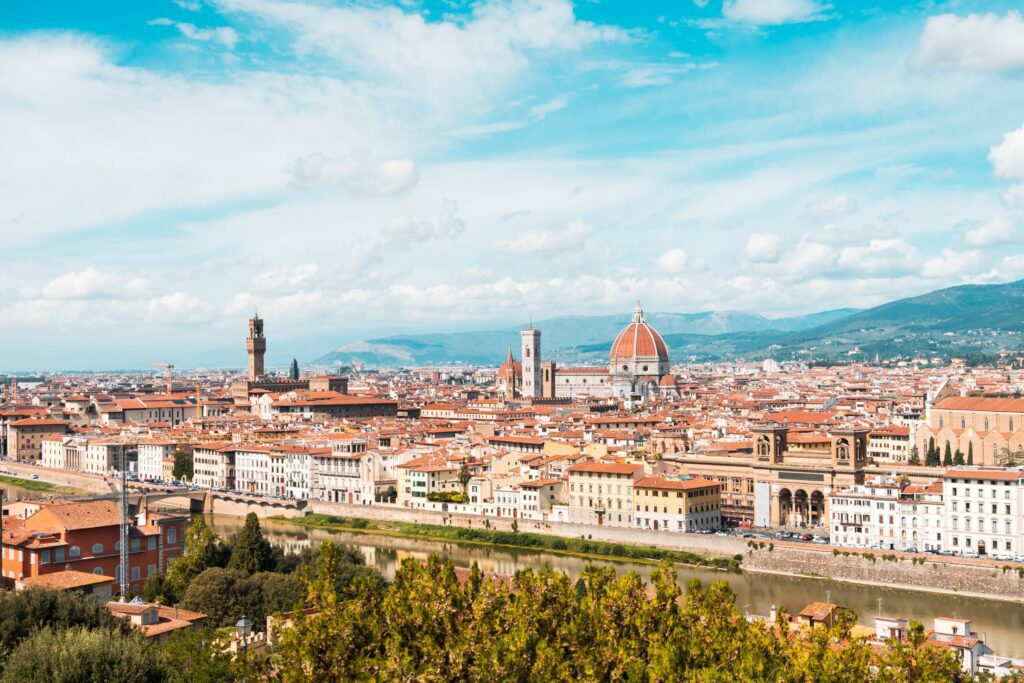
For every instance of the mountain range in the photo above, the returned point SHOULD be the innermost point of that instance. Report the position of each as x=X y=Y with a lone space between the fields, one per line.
x=966 y=320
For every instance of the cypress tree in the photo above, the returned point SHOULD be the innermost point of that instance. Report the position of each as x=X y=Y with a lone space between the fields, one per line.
x=932 y=458
x=958 y=458
x=252 y=552
x=970 y=453
x=947 y=456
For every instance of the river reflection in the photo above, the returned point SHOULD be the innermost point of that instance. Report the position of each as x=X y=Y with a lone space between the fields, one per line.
x=1002 y=623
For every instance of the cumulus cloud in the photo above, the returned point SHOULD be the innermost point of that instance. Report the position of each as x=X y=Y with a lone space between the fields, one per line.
x=773 y=12
x=976 y=42
x=890 y=257
x=1007 y=158
x=225 y=35
x=406 y=229
x=178 y=307
x=994 y=232
x=357 y=171
x=763 y=247
x=570 y=236
x=93 y=284
x=678 y=261
x=951 y=263
x=833 y=206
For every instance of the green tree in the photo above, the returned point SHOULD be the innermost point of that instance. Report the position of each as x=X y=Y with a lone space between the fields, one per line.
x=933 y=453
x=958 y=458
x=970 y=453
x=252 y=552
x=202 y=550
x=947 y=456
x=191 y=656
x=23 y=612
x=184 y=467
x=224 y=596
x=464 y=476
x=156 y=589
x=278 y=593
x=915 y=456
x=79 y=655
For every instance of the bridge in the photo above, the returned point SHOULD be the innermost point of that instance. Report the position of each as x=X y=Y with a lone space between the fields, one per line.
x=200 y=501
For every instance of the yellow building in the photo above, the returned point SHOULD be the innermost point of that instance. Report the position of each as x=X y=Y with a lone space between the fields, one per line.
x=602 y=493
x=672 y=504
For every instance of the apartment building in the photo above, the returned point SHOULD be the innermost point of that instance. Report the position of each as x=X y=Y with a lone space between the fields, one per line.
x=673 y=504
x=103 y=456
x=25 y=437
x=983 y=509
x=151 y=458
x=602 y=493
x=427 y=474
x=252 y=470
x=214 y=466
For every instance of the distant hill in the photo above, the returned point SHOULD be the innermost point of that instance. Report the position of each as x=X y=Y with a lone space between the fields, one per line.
x=967 y=320
x=563 y=338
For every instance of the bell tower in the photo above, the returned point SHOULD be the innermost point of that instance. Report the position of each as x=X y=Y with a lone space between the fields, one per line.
x=532 y=383
x=256 y=345
x=770 y=442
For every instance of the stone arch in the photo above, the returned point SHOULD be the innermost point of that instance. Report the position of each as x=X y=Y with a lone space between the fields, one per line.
x=801 y=506
x=817 y=508
x=785 y=502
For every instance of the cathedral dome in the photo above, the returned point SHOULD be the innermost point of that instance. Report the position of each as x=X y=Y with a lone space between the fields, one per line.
x=639 y=342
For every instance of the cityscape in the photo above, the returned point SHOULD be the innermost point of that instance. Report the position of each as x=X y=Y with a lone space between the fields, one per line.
x=710 y=366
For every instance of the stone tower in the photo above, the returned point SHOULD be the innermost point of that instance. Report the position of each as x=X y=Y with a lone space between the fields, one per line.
x=532 y=384
x=256 y=345
x=510 y=379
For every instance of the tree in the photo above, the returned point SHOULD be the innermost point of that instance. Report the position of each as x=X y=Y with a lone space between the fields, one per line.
x=464 y=476
x=23 y=612
x=79 y=654
x=183 y=465
x=224 y=596
x=202 y=550
x=155 y=589
x=933 y=453
x=970 y=453
x=958 y=458
x=252 y=552
x=191 y=656
x=947 y=456
x=915 y=456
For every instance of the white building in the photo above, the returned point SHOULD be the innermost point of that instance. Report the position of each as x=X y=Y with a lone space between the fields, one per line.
x=886 y=515
x=252 y=470
x=63 y=452
x=151 y=458
x=983 y=509
x=214 y=466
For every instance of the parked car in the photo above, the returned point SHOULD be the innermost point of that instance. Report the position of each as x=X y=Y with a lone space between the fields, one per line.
x=969 y=554
x=35 y=476
x=911 y=549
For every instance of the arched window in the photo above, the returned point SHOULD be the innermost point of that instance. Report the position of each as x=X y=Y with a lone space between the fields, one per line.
x=98 y=571
x=97 y=548
x=986 y=424
x=940 y=423
x=963 y=422
x=1011 y=424
x=74 y=551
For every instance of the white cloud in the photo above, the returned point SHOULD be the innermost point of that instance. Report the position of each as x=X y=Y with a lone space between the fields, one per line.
x=571 y=236
x=833 y=206
x=189 y=5
x=952 y=262
x=406 y=229
x=977 y=42
x=773 y=12
x=1007 y=158
x=888 y=257
x=93 y=284
x=225 y=35
x=178 y=307
x=285 y=278
x=541 y=110
x=675 y=261
x=357 y=171
x=995 y=231
x=763 y=247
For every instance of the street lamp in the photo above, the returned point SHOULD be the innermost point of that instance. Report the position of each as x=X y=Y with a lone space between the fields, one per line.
x=244 y=628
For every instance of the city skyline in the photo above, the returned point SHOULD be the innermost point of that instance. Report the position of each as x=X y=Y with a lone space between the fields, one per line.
x=173 y=166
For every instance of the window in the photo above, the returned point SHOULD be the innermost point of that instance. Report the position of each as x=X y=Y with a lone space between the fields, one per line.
x=97 y=548
x=44 y=557
x=58 y=554
x=136 y=573
x=172 y=535
x=151 y=543
x=98 y=571
x=136 y=545
x=74 y=551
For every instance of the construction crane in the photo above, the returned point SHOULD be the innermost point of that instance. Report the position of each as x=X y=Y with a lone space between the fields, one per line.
x=168 y=367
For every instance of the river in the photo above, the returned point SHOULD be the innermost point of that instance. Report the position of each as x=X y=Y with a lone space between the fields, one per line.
x=1001 y=623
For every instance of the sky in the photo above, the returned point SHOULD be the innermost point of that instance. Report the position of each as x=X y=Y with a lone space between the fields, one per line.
x=352 y=169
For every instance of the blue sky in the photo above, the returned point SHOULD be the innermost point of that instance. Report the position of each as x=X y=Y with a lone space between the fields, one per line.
x=357 y=168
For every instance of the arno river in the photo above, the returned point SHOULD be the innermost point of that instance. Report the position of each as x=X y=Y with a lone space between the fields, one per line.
x=1001 y=623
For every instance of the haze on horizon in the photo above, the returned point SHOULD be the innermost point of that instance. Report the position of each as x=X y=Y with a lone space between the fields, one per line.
x=356 y=169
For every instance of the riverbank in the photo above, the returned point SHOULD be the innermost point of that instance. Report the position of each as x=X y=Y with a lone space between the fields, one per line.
x=31 y=486
x=580 y=547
